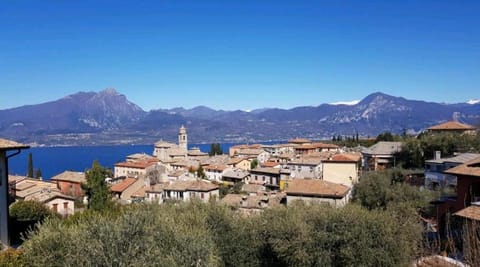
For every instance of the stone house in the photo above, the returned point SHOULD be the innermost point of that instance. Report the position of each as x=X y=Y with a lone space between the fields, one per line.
x=70 y=182
x=317 y=191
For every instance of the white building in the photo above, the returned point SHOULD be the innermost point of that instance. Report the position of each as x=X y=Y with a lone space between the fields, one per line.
x=188 y=190
x=305 y=168
x=214 y=172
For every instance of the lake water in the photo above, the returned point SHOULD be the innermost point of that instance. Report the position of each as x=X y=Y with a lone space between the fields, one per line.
x=54 y=160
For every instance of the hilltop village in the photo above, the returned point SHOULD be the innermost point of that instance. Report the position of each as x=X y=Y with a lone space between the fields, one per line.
x=249 y=178
x=252 y=178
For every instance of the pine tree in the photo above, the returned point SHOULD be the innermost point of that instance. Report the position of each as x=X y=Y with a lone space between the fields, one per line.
x=30 y=166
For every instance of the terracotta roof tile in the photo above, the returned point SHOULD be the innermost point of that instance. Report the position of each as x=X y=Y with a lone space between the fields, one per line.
x=346 y=157
x=452 y=125
x=270 y=164
x=315 y=187
x=140 y=193
x=470 y=168
x=471 y=212
x=69 y=176
x=120 y=187
x=299 y=141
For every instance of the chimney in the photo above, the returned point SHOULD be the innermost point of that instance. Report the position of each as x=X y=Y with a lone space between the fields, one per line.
x=438 y=155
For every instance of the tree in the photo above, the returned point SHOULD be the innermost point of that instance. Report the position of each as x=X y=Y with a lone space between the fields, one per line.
x=386 y=136
x=30 y=166
x=96 y=188
x=381 y=190
x=253 y=164
x=215 y=149
x=201 y=172
x=416 y=150
x=29 y=211
x=38 y=174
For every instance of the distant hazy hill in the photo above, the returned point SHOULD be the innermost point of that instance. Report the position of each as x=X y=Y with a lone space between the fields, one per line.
x=108 y=117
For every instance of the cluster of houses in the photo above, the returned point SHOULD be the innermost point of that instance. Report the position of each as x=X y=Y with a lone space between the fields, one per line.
x=264 y=175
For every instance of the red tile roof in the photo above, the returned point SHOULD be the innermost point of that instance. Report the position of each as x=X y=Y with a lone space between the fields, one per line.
x=299 y=141
x=120 y=187
x=470 y=168
x=344 y=158
x=471 y=212
x=452 y=125
x=270 y=164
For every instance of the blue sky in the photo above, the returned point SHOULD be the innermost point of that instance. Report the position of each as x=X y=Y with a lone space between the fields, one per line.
x=239 y=54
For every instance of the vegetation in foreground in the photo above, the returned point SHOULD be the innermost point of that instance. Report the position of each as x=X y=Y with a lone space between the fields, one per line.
x=195 y=234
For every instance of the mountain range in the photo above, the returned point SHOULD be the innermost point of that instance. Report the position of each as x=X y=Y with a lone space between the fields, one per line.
x=108 y=117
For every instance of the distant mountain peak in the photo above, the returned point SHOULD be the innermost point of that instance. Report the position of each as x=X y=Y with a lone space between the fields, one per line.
x=108 y=117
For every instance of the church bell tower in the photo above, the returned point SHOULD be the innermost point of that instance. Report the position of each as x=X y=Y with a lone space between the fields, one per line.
x=182 y=138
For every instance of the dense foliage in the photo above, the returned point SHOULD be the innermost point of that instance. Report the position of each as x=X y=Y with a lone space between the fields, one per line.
x=416 y=150
x=215 y=149
x=29 y=211
x=196 y=234
x=384 y=189
x=96 y=188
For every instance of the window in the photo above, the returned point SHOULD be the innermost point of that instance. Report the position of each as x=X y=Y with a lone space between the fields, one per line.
x=55 y=207
x=65 y=205
x=202 y=195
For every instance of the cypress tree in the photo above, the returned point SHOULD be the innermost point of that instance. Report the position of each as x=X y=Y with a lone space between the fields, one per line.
x=30 y=166
x=38 y=174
